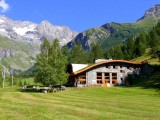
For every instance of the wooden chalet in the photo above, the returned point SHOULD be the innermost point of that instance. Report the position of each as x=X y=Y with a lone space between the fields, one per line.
x=103 y=72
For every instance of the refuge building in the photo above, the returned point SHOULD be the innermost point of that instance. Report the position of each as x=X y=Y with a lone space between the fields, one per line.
x=103 y=72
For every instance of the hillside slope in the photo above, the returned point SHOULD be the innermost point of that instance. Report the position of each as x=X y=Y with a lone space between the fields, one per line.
x=111 y=34
x=17 y=55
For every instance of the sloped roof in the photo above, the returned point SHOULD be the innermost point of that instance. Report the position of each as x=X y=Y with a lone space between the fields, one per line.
x=77 y=67
x=85 y=68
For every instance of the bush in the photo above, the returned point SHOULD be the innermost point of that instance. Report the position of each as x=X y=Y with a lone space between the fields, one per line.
x=129 y=80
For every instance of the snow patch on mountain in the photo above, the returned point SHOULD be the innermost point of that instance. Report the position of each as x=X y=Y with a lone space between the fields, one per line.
x=1 y=21
x=22 y=31
x=2 y=30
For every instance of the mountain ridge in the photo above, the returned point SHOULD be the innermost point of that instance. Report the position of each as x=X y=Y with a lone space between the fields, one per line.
x=27 y=31
x=117 y=33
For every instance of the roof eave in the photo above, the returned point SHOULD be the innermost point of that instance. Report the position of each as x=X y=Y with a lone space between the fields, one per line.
x=104 y=62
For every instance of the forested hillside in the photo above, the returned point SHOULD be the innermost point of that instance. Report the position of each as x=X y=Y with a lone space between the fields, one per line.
x=136 y=46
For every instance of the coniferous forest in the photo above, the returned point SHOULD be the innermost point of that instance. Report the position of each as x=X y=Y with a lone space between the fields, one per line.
x=133 y=47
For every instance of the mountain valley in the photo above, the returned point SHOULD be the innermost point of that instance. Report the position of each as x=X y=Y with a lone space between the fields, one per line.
x=20 y=40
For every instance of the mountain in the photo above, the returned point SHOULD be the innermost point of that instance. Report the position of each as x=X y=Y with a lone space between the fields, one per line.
x=111 y=34
x=26 y=31
x=20 y=40
x=152 y=13
x=17 y=55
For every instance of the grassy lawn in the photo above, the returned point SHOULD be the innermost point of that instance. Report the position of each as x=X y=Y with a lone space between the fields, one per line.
x=95 y=103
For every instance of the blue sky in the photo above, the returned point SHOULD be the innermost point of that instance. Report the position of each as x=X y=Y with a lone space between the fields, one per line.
x=79 y=15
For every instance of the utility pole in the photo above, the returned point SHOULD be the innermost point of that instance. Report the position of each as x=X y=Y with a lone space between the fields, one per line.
x=11 y=72
x=4 y=76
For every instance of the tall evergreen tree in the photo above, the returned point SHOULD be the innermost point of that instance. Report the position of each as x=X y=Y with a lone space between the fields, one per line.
x=96 y=52
x=66 y=51
x=51 y=65
x=118 y=52
x=78 y=55
x=112 y=53
x=45 y=48
x=130 y=48
x=140 y=47
x=143 y=38
x=155 y=40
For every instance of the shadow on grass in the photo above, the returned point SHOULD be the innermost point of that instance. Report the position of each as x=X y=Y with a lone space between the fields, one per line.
x=28 y=91
x=148 y=80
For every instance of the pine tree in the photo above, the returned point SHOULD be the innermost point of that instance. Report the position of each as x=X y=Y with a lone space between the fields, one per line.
x=130 y=48
x=45 y=48
x=57 y=62
x=78 y=55
x=112 y=53
x=96 y=52
x=66 y=51
x=118 y=52
x=143 y=38
x=155 y=40
x=140 y=47
x=51 y=65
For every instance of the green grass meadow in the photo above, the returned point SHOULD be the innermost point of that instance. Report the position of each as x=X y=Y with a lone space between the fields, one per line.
x=94 y=103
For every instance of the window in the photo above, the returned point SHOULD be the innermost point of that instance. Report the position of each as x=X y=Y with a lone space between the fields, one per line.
x=116 y=67
x=99 y=78
x=82 y=78
x=107 y=66
x=114 y=74
x=106 y=75
x=99 y=81
x=122 y=71
x=114 y=78
x=82 y=82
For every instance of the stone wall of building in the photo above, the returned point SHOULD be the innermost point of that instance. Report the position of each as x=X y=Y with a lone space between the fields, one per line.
x=122 y=71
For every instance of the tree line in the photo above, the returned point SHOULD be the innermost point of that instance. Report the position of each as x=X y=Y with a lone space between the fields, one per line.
x=136 y=46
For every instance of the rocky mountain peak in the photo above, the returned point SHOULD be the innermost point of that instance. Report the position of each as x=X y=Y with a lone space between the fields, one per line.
x=27 y=31
x=45 y=23
x=153 y=12
x=63 y=33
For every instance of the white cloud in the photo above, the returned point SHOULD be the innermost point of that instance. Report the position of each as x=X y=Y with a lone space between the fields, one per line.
x=4 y=6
